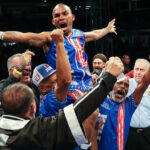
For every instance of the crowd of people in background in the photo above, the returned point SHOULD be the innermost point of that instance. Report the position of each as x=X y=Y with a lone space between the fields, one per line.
x=64 y=105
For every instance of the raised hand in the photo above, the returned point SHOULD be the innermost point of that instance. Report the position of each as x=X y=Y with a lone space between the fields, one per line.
x=26 y=58
x=111 y=26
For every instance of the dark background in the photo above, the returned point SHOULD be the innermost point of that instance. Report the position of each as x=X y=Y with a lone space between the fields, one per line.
x=132 y=22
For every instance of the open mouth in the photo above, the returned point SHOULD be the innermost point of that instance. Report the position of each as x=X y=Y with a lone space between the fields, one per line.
x=26 y=74
x=121 y=92
x=63 y=25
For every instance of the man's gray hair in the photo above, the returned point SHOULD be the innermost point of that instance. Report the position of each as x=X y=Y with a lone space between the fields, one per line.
x=142 y=60
x=10 y=60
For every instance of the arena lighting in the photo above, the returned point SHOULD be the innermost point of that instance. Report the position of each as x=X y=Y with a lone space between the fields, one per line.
x=87 y=7
x=5 y=44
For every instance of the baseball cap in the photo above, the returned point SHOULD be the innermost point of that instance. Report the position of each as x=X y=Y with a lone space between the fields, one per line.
x=41 y=72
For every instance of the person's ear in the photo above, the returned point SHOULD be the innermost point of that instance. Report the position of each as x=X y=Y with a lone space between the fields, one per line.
x=53 y=22
x=73 y=17
x=33 y=109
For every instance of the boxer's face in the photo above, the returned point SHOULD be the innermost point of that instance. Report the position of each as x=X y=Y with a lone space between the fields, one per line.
x=63 y=18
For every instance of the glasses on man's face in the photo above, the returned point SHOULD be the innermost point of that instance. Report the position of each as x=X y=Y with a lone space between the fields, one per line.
x=17 y=67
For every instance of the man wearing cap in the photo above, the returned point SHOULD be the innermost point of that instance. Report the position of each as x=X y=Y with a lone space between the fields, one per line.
x=53 y=96
x=116 y=112
x=53 y=84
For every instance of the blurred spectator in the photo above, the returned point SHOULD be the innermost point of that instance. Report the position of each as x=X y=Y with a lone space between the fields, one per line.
x=130 y=74
x=126 y=62
x=139 y=133
x=98 y=63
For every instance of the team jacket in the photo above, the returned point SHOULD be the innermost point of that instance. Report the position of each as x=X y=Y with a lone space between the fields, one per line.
x=49 y=105
x=116 y=118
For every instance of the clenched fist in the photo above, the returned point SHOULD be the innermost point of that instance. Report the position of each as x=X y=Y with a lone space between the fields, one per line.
x=114 y=66
x=57 y=35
